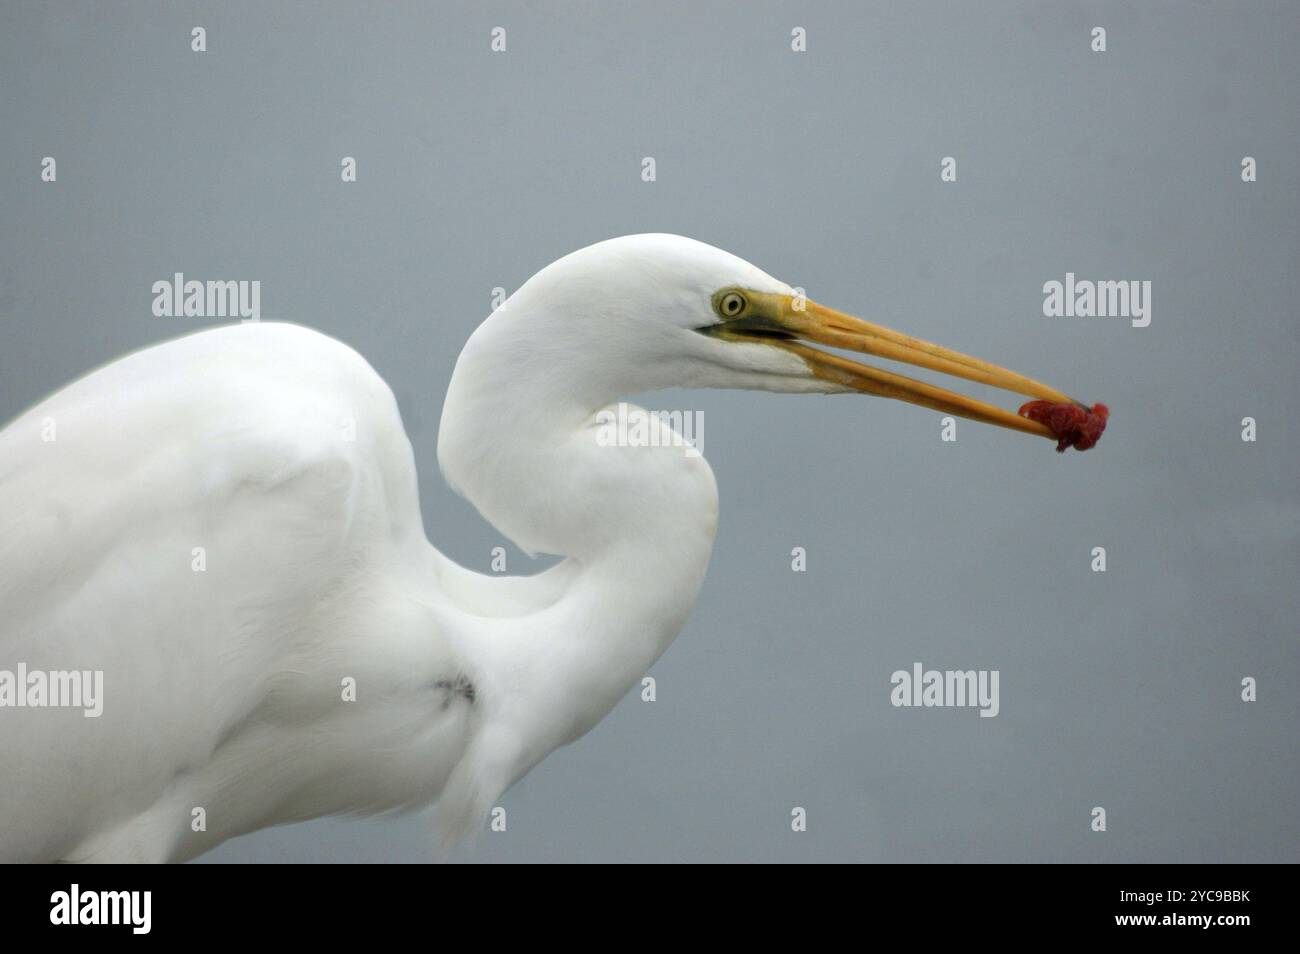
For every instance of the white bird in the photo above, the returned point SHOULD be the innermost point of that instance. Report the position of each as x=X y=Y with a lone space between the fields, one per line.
x=227 y=527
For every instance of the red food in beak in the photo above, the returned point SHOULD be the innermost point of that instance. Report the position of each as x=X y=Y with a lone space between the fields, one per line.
x=1073 y=424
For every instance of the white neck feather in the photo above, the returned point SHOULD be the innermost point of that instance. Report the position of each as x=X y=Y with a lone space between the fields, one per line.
x=636 y=524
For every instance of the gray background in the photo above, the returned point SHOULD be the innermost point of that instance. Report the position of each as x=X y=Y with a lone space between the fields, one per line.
x=476 y=169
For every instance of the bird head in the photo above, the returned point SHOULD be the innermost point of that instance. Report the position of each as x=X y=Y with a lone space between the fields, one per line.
x=643 y=312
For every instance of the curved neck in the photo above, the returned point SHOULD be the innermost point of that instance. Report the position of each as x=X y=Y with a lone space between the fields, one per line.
x=518 y=438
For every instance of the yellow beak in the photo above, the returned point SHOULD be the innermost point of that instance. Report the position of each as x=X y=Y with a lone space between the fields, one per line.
x=786 y=322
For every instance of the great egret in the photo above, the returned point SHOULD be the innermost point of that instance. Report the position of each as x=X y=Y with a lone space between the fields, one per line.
x=227 y=527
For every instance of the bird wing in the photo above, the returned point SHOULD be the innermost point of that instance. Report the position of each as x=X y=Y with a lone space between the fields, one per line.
x=210 y=523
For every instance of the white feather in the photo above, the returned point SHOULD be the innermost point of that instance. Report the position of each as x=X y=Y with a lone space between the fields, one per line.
x=280 y=453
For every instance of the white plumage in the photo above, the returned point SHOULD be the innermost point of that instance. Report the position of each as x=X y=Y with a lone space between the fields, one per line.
x=274 y=457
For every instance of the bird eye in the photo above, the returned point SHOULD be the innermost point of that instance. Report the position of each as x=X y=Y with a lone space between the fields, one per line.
x=731 y=304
